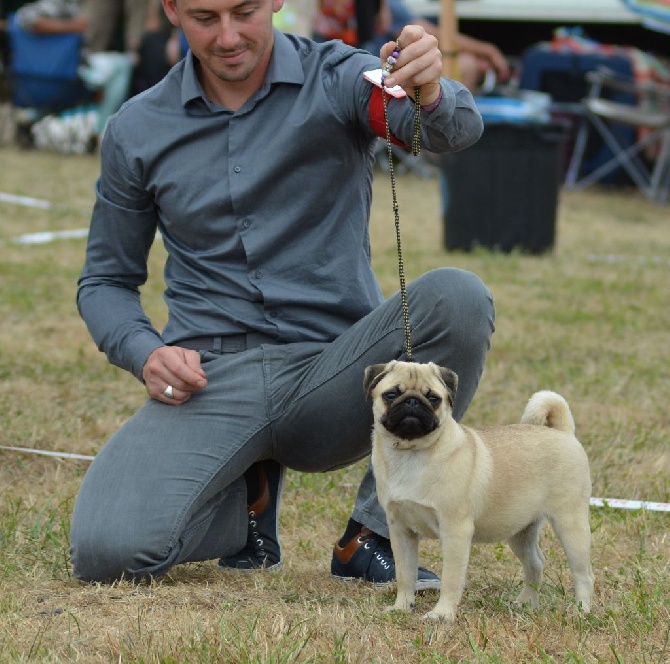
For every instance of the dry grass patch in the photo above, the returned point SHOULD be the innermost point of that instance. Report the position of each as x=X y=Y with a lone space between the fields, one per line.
x=589 y=320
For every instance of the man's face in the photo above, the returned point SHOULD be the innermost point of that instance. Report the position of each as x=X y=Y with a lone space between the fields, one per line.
x=232 y=39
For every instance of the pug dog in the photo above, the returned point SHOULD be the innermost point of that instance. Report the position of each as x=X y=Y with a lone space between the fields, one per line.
x=439 y=479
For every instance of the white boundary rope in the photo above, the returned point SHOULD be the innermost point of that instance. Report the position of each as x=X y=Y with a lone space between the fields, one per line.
x=45 y=237
x=617 y=503
x=58 y=455
x=25 y=201
x=622 y=503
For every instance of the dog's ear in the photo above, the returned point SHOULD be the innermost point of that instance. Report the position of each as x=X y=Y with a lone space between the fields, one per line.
x=450 y=380
x=373 y=374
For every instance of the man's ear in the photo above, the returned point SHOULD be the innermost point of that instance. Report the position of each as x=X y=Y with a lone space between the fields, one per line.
x=277 y=5
x=170 y=9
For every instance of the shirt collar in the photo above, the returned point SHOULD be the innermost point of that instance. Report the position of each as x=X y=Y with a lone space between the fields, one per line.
x=285 y=67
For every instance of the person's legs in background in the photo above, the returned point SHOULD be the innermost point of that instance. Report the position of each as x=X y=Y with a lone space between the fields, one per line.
x=103 y=16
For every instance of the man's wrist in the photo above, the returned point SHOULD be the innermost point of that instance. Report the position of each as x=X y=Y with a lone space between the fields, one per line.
x=429 y=108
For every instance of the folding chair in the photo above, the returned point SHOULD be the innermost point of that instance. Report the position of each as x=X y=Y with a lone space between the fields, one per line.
x=43 y=70
x=647 y=159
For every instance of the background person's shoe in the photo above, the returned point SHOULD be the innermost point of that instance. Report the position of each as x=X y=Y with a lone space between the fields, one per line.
x=368 y=557
x=262 y=550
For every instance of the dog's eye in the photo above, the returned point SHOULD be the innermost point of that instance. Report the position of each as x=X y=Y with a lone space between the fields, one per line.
x=390 y=396
x=434 y=399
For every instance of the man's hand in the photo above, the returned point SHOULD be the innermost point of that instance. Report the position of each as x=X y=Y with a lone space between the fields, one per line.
x=175 y=366
x=419 y=63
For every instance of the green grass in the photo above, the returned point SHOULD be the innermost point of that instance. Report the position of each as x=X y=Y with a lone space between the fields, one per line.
x=589 y=320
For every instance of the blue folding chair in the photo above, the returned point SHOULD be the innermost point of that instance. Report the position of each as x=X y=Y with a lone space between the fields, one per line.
x=43 y=69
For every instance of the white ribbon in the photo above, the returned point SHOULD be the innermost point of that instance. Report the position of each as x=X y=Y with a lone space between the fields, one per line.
x=618 y=503
x=60 y=455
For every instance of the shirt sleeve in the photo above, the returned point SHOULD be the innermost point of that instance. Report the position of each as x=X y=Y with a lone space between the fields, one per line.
x=123 y=228
x=455 y=124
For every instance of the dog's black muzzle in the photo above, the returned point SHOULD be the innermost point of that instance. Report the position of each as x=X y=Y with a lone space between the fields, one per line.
x=410 y=418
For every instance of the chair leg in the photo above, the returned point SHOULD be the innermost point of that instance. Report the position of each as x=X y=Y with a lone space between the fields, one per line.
x=660 y=181
x=627 y=158
x=653 y=184
x=575 y=166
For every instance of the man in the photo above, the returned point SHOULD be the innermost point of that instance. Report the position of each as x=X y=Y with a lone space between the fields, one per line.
x=253 y=158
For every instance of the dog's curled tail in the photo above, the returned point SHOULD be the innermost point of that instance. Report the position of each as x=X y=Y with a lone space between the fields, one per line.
x=549 y=409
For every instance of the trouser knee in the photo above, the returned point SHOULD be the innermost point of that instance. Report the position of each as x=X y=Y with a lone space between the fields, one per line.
x=96 y=560
x=458 y=300
x=453 y=318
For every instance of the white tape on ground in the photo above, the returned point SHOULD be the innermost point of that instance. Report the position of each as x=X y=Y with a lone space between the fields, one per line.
x=49 y=236
x=26 y=201
x=623 y=504
x=619 y=503
x=59 y=455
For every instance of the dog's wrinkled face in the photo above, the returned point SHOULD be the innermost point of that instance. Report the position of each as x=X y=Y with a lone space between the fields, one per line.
x=411 y=400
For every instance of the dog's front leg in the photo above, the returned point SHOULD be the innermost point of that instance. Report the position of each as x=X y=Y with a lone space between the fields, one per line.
x=405 y=545
x=456 y=540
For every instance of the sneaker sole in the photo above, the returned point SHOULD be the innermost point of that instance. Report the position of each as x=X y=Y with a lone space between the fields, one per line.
x=252 y=570
x=380 y=585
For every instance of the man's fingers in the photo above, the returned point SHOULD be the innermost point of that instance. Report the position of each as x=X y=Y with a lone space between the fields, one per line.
x=420 y=60
x=175 y=368
x=192 y=359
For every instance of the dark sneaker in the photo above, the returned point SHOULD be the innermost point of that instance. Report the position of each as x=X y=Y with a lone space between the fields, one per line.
x=262 y=550
x=368 y=557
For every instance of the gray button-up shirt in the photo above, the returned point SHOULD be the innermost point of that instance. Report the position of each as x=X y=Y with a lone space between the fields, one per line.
x=263 y=211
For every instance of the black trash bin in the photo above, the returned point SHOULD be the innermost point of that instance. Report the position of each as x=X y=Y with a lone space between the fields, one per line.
x=502 y=193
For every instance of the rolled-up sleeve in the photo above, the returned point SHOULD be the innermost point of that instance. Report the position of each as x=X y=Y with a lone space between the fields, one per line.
x=456 y=123
x=453 y=125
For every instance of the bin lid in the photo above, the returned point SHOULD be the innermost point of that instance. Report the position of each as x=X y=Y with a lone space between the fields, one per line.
x=522 y=108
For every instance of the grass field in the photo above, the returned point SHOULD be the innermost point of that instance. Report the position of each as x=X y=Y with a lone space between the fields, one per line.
x=590 y=320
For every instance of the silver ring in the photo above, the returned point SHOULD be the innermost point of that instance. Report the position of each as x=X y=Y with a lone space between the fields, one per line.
x=168 y=392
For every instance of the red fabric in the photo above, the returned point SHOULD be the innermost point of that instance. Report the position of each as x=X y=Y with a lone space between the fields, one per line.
x=376 y=116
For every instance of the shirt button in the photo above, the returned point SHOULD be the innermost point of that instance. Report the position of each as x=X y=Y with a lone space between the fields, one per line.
x=259 y=274
x=246 y=223
x=237 y=169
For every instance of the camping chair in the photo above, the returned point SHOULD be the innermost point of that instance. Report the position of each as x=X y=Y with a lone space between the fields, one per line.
x=647 y=159
x=43 y=70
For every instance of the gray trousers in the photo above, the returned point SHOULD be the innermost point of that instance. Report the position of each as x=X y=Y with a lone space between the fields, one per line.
x=167 y=488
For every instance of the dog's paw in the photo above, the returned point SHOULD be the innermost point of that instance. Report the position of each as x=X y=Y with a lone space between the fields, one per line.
x=441 y=616
x=528 y=597
x=400 y=608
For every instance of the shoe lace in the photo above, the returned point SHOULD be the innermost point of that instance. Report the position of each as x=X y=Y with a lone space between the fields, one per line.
x=382 y=552
x=254 y=539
